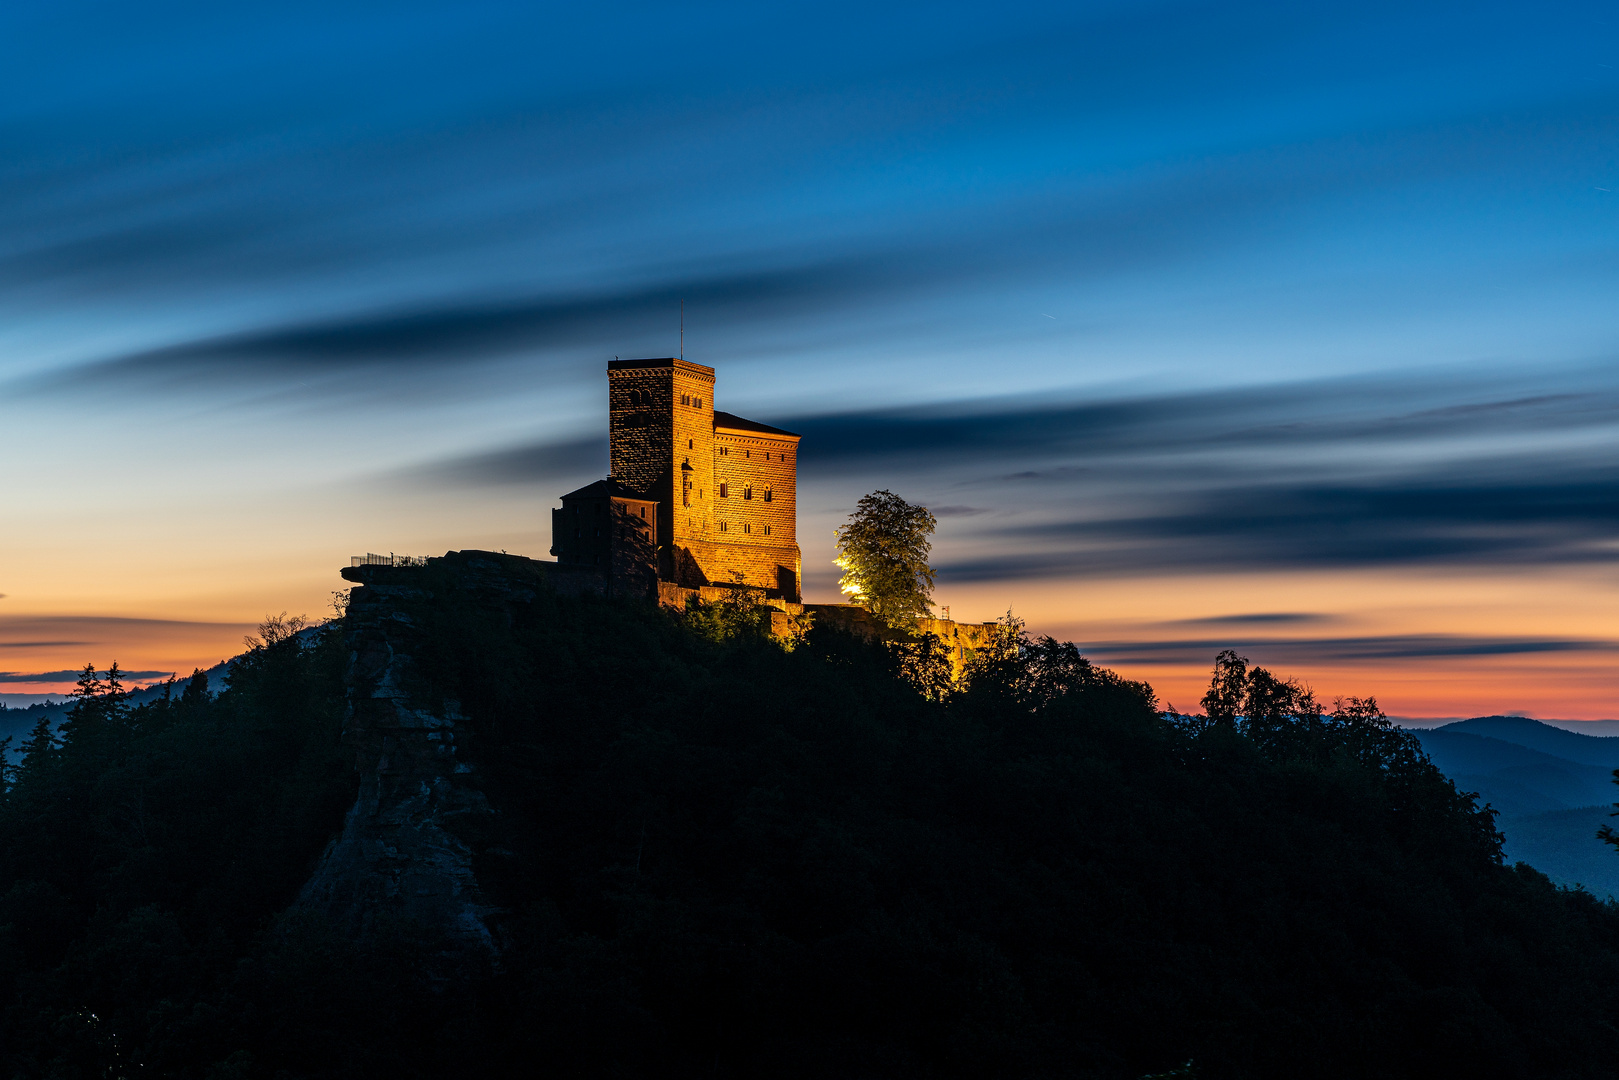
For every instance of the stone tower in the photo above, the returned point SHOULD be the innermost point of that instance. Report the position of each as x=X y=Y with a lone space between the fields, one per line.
x=726 y=488
x=661 y=434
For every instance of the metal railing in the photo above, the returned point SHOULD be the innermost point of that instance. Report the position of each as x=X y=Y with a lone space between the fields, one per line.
x=388 y=560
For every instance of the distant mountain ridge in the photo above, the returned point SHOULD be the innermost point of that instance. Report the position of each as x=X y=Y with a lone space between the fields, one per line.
x=1552 y=787
x=18 y=722
x=1586 y=749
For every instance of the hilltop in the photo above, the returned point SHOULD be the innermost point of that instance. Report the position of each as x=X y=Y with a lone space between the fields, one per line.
x=686 y=851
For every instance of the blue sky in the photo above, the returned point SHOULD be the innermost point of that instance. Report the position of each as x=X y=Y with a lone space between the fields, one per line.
x=1140 y=292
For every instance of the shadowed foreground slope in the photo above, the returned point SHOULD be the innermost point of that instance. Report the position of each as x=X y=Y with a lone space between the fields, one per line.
x=704 y=856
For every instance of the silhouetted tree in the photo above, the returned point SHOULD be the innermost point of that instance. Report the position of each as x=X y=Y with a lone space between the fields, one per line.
x=1227 y=689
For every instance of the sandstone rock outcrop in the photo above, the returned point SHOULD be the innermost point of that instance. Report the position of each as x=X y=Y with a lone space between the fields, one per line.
x=403 y=856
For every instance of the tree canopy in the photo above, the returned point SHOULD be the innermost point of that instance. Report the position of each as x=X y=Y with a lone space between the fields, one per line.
x=883 y=550
x=1038 y=876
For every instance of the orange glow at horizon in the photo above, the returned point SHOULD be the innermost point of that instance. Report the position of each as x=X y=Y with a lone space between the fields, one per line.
x=1438 y=612
x=175 y=614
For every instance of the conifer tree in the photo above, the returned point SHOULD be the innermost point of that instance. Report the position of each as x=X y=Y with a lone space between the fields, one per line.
x=89 y=689
x=39 y=749
x=196 y=691
x=114 y=698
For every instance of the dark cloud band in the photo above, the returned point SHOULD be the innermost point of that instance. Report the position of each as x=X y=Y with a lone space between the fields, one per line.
x=70 y=676
x=1182 y=651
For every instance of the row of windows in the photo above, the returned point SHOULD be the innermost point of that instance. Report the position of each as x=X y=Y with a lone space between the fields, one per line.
x=747 y=492
x=725 y=451
x=746 y=527
x=643 y=399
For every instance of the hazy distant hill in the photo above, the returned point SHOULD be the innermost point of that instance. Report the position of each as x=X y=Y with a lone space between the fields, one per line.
x=1514 y=777
x=1588 y=749
x=1552 y=787
x=17 y=723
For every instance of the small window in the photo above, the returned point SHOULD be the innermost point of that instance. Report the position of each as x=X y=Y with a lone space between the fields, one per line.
x=689 y=445
x=747 y=491
x=698 y=402
x=767 y=494
x=747 y=453
x=747 y=528
x=643 y=513
x=725 y=491
x=767 y=530
x=722 y=526
x=685 y=399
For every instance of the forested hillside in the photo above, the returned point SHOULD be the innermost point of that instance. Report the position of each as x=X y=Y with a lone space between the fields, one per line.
x=714 y=857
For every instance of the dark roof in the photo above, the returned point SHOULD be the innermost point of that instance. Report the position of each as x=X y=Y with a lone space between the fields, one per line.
x=608 y=488
x=736 y=423
x=657 y=362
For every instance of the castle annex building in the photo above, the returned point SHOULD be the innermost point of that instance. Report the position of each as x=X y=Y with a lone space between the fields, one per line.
x=696 y=496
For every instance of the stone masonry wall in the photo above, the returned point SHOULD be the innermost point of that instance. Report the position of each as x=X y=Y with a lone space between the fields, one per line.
x=664 y=449
x=761 y=463
x=961 y=639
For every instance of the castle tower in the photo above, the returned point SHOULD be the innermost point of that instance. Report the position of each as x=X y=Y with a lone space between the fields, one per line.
x=726 y=488
x=661 y=434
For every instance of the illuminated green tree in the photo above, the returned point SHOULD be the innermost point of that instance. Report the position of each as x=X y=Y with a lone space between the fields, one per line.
x=883 y=551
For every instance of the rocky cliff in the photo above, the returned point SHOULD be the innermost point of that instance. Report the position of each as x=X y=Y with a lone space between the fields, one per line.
x=404 y=853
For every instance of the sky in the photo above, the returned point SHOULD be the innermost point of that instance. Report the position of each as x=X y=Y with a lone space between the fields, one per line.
x=1286 y=328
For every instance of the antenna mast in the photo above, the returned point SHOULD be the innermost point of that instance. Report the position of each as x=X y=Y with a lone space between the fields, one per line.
x=683 y=328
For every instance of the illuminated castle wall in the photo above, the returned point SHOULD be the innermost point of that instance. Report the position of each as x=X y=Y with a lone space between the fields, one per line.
x=725 y=488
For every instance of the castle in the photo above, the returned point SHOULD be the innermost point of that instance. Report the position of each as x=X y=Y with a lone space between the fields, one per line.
x=696 y=497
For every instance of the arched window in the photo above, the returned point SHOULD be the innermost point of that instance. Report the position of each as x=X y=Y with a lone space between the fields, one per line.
x=747 y=491
x=725 y=491
x=767 y=494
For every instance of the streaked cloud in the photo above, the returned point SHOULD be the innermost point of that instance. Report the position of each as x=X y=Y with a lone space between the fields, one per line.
x=1306 y=651
x=1440 y=468
x=1262 y=617
x=37 y=631
x=1138 y=297
x=71 y=676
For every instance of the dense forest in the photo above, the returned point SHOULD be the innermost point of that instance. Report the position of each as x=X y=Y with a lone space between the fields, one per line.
x=717 y=857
